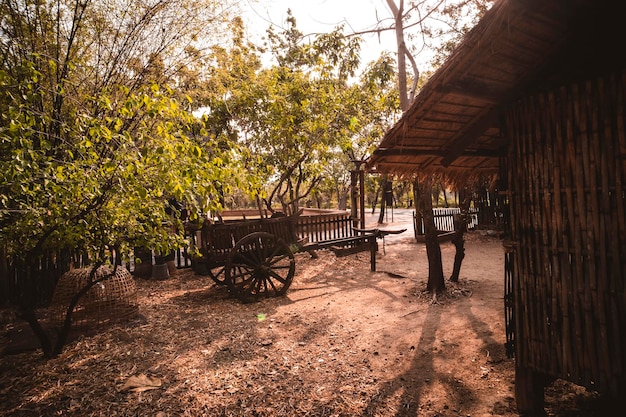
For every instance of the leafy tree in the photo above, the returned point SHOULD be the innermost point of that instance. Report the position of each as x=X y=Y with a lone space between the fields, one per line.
x=110 y=188
x=221 y=80
x=91 y=148
x=301 y=115
x=298 y=112
x=373 y=106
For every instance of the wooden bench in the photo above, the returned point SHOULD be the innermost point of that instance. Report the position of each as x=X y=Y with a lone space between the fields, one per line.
x=363 y=240
x=381 y=233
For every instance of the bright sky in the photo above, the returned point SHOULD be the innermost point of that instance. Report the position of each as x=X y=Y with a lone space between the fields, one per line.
x=320 y=16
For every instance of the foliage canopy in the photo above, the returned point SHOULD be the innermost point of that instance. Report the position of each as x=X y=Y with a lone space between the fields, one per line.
x=93 y=143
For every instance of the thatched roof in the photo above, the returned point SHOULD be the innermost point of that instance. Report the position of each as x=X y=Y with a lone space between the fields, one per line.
x=454 y=126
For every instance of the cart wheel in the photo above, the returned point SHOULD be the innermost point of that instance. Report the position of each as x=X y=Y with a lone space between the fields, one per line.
x=259 y=265
x=217 y=275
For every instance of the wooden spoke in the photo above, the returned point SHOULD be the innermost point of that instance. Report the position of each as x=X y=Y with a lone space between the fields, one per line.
x=218 y=275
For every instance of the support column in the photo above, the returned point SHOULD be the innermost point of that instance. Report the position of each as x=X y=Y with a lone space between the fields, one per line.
x=354 y=176
x=358 y=194
x=362 y=195
x=529 y=392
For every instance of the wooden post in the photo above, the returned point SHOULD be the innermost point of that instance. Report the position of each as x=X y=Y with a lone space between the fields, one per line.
x=529 y=392
x=362 y=195
x=353 y=197
x=372 y=243
x=357 y=195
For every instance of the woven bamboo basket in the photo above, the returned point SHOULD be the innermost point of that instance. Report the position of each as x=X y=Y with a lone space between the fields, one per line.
x=113 y=300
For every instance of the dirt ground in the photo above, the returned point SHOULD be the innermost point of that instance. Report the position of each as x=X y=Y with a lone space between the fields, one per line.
x=344 y=341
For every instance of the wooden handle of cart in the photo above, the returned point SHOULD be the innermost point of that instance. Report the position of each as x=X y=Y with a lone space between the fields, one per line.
x=380 y=232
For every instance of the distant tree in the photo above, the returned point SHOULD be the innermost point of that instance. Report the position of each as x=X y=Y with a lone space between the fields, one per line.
x=437 y=26
x=336 y=179
x=375 y=107
x=306 y=108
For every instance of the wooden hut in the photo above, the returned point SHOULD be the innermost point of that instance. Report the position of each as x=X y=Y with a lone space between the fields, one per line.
x=536 y=93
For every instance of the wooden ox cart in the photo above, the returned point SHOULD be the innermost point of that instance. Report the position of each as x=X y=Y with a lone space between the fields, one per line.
x=254 y=258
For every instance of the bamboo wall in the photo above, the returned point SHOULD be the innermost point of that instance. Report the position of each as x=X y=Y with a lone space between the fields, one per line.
x=567 y=180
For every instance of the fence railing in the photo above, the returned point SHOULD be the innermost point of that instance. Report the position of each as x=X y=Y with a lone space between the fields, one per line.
x=323 y=227
x=444 y=219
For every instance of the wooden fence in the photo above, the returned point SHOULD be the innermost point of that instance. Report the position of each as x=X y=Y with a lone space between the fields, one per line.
x=34 y=284
x=444 y=220
x=321 y=227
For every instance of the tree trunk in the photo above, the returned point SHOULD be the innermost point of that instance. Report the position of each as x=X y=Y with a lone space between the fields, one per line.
x=51 y=350
x=418 y=222
x=445 y=196
x=342 y=199
x=460 y=227
x=375 y=203
x=459 y=244
x=44 y=340
x=436 y=282
x=383 y=201
x=354 y=197
x=381 y=215
x=398 y=11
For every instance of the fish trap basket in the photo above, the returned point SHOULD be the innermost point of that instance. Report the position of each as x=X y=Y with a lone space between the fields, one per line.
x=112 y=300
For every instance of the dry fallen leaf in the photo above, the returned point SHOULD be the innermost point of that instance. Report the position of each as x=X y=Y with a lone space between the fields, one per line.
x=140 y=383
